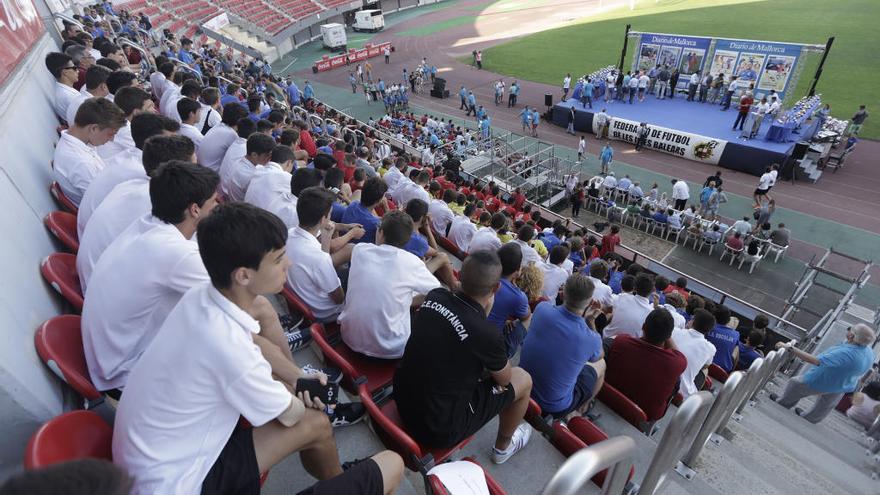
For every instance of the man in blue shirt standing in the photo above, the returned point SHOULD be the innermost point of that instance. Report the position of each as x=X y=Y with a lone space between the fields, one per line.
x=308 y=91
x=511 y=303
x=834 y=373
x=184 y=55
x=606 y=156
x=463 y=94
x=725 y=340
x=563 y=353
x=292 y=93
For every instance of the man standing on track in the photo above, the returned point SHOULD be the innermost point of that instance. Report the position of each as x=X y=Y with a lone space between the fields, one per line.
x=566 y=85
x=462 y=93
x=514 y=92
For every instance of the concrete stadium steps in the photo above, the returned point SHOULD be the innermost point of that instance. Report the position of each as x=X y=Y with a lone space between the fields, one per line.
x=246 y=38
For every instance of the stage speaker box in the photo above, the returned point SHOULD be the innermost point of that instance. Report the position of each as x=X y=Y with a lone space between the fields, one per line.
x=548 y=100
x=437 y=93
x=439 y=83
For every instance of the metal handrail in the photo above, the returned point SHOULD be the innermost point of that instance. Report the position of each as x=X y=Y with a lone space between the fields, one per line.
x=679 y=433
x=67 y=18
x=775 y=365
x=615 y=454
x=766 y=370
x=753 y=375
x=713 y=419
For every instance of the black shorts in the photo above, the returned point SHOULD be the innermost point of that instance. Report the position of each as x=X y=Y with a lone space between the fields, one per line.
x=761 y=192
x=485 y=403
x=583 y=390
x=236 y=470
x=364 y=478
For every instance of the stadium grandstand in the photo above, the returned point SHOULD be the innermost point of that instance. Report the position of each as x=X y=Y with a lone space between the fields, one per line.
x=212 y=267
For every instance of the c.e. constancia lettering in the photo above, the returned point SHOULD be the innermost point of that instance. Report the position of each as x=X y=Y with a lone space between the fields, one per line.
x=449 y=315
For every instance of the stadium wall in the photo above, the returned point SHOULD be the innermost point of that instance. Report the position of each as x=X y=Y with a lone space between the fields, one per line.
x=29 y=393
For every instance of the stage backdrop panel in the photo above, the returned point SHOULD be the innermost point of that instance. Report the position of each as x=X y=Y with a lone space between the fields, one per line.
x=679 y=143
x=685 y=53
x=767 y=65
x=20 y=27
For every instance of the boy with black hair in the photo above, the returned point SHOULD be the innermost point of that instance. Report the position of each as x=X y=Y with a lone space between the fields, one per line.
x=423 y=245
x=265 y=127
x=629 y=357
x=132 y=101
x=66 y=74
x=438 y=207
x=748 y=350
x=126 y=203
x=524 y=237
x=272 y=179
x=698 y=351
x=95 y=87
x=188 y=109
x=384 y=282
x=312 y=274
x=488 y=238
x=510 y=313
x=213 y=361
x=363 y=212
x=244 y=128
x=725 y=339
x=462 y=230
x=119 y=79
x=124 y=166
x=76 y=162
x=238 y=176
x=126 y=304
x=217 y=141
x=554 y=270
x=455 y=353
x=211 y=110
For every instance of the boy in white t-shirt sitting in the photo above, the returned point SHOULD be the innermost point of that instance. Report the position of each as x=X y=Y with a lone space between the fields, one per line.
x=312 y=274
x=177 y=428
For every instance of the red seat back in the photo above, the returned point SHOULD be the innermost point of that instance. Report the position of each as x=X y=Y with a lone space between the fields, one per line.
x=448 y=245
x=717 y=373
x=59 y=269
x=623 y=406
x=379 y=373
x=71 y=436
x=389 y=426
x=63 y=226
x=580 y=433
x=59 y=344
x=62 y=199
x=298 y=304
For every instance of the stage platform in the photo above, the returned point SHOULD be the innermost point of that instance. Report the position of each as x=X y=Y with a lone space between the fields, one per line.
x=693 y=130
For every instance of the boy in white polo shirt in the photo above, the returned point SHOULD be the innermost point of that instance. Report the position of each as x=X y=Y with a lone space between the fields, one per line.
x=384 y=282
x=272 y=179
x=312 y=275
x=189 y=109
x=76 y=161
x=177 y=427
x=213 y=148
x=126 y=203
x=127 y=304
x=258 y=153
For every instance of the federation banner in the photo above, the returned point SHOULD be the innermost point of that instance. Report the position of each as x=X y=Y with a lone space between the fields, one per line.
x=767 y=65
x=679 y=143
x=20 y=28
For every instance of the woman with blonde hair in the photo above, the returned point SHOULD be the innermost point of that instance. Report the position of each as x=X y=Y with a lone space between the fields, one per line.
x=531 y=281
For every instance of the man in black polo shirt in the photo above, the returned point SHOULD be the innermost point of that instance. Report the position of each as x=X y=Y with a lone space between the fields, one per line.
x=454 y=376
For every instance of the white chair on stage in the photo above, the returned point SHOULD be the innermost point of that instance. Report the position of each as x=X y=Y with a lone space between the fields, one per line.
x=776 y=249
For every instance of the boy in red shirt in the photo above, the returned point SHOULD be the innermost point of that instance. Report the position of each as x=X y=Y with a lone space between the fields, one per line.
x=647 y=369
x=610 y=241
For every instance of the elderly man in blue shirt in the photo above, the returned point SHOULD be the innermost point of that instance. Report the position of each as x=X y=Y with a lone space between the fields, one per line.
x=834 y=373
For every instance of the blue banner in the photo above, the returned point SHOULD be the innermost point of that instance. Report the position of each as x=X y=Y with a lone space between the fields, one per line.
x=685 y=53
x=767 y=65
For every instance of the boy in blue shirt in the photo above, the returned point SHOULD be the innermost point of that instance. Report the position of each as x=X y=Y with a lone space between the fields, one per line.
x=511 y=303
x=424 y=246
x=725 y=340
x=555 y=351
x=748 y=350
x=363 y=212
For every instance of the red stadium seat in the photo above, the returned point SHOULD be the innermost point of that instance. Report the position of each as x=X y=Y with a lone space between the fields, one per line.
x=62 y=199
x=296 y=304
x=717 y=373
x=63 y=227
x=389 y=426
x=71 y=436
x=373 y=374
x=59 y=269
x=624 y=407
x=579 y=433
x=437 y=487
x=448 y=245
x=59 y=344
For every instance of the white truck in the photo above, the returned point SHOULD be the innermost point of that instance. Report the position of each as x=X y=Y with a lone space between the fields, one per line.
x=369 y=20
x=333 y=35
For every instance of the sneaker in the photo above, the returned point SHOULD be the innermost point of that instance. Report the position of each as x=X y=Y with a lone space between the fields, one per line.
x=517 y=442
x=334 y=375
x=298 y=338
x=347 y=414
x=773 y=397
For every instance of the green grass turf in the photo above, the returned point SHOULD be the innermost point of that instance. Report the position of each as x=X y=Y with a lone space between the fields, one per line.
x=439 y=26
x=849 y=78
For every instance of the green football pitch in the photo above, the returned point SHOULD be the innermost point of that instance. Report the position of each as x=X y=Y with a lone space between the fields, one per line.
x=850 y=77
